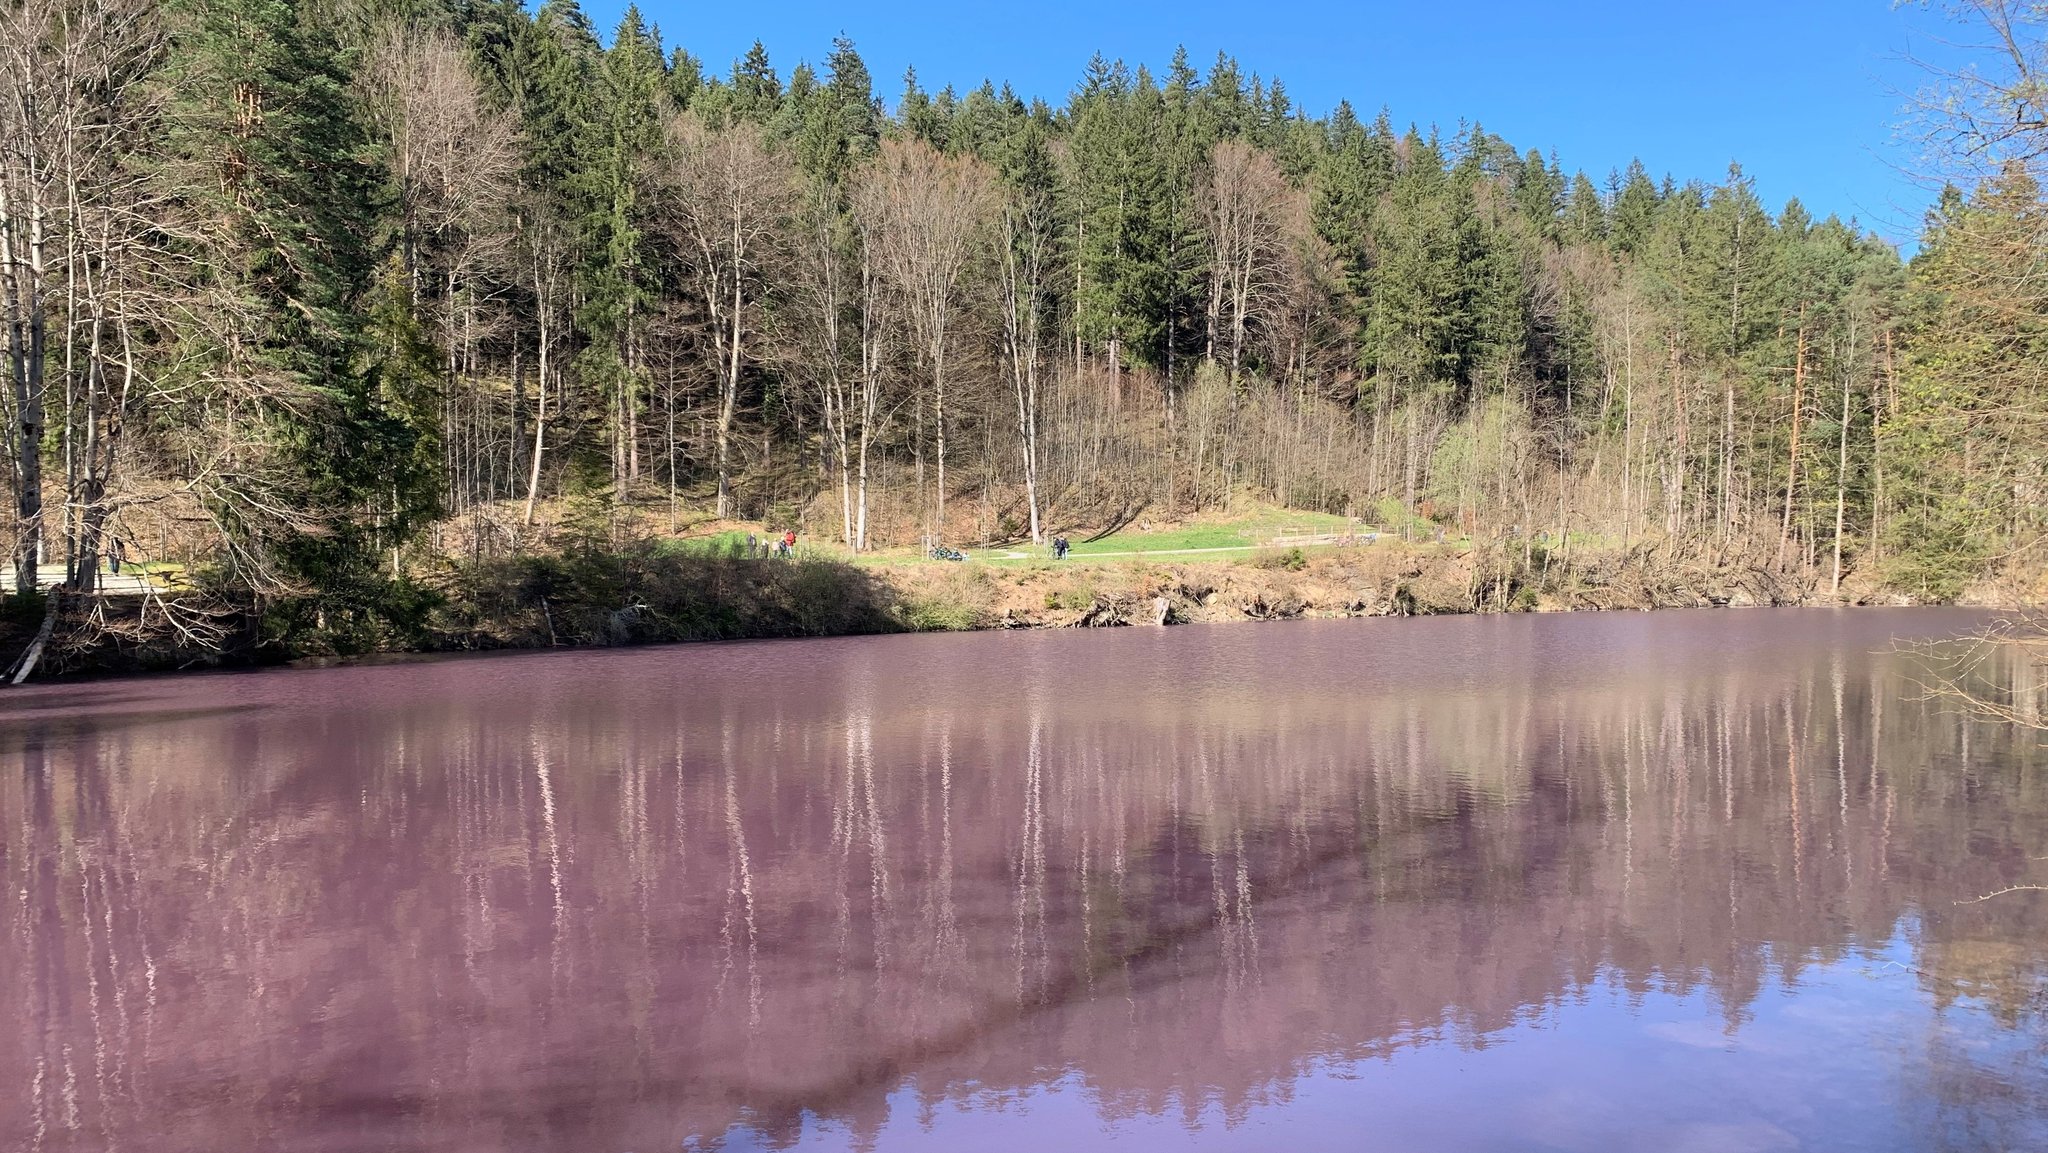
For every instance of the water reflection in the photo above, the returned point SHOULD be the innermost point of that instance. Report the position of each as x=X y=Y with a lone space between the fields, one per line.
x=1589 y=883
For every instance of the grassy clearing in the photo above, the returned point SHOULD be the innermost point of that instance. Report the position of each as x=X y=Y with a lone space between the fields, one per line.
x=730 y=543
x=1170 y=540
x=1246 y=536
x=1243 y=535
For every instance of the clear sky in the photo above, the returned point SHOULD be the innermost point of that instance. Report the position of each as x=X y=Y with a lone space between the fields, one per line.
x=1806 y=94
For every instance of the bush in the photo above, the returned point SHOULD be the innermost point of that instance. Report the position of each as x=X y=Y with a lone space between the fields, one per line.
x=939 y=613
x=647 y=592
x=954 y=600
x=1076 y=599
x=1394 y=518
x=1291 y=559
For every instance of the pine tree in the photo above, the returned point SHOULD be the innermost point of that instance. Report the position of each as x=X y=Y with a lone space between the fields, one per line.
x=685 y=78
x=756 y=92
x=1413 y=315
x=921 y=118
x=1120 y=306
x=620 y=136
x=273 y=202
x=1229 y=111
x=401 y=398
x=1585 y=214
x=833 y=126
x=557 y=66
x=1632 y=208
x=1539 y=193
x=1189 y=133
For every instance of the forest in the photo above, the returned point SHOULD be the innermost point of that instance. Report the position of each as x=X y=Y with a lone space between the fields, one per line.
x=322 y=300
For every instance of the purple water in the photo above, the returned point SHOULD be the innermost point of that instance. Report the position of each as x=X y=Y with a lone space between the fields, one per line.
x=1682 y=881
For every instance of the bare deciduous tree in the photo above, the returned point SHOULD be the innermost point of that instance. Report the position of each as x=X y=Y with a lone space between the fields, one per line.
x=1245 y=211
x=933 y=213
x=1976 y=117
x=729 y=198
x=1030 y=222
x=813 y=342
x=546 y=263
x=73 y=218
x=455 y=161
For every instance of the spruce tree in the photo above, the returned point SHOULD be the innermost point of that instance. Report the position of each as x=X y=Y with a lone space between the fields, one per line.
x=620 y=137
x=267 y=184
x=1585 y=214
x=1632 y=208
x=1120 y=307
x=1189 y=133
x=756 y=90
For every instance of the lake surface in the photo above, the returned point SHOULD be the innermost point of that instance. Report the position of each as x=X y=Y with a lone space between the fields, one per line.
x=1678 y=881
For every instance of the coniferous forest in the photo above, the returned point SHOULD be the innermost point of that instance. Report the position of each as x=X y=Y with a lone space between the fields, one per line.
x=325 y=299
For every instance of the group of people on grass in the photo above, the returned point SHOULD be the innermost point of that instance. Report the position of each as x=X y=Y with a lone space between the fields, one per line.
x=782 y=547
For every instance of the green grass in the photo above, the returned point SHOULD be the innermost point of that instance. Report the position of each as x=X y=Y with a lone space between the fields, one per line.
x=1244 y=536
x=729 y=543
x=1247 y=533
x=165 y=574
x=162 y=571
x=1194 y=536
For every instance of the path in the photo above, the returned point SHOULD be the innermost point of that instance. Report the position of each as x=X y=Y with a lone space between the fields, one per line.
x=1169 y=551
x=1315 y=540
x=130 y=581
x=1077 y=555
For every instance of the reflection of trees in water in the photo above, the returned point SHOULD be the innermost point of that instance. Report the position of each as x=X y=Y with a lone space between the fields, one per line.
x=543 y=919
x=1973 y=1089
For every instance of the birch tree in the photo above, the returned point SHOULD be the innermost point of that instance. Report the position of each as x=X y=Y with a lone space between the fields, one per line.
x=454 y=163
x=933 y=212
x=1026 y=252
x=729 y=198
x=1244 y=210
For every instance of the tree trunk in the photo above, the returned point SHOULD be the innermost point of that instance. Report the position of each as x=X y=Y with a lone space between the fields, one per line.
x=629 y=388
x=517 y=441
x=540 y=420
x=42 y=638
x=728 y=402
x=1841 y=481
x=29 y=404
x=1878 y=411
x=1792 y=461
x=939 y=423
x=25 y=348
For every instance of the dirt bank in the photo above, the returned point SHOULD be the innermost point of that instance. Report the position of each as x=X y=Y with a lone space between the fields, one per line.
x=642 y=596
x=1377 y=581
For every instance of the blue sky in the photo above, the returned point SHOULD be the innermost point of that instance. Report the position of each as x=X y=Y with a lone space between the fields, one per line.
x=1806 y=94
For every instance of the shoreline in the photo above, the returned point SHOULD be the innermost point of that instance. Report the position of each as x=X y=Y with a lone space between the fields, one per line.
x=625 y=600
x=409 y=658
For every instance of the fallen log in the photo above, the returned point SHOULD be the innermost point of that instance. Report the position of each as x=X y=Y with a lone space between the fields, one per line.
x=27 y=664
